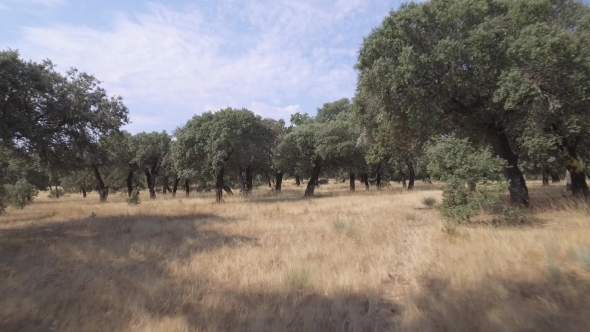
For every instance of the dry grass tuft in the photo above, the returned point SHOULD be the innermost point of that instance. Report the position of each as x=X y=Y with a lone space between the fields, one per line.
x=340 y=261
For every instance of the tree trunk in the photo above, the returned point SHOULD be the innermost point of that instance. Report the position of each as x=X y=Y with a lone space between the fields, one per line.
x=313 y=181
x=175 y=187
x=545 y=175
x=576 y=170
x=269 y=183
x=83 y=193
x=352 y=184
x=249 y=185
x=366 y=180
x=519 y=193
x=102 y=191
x=219 y=185
x=242 y=182
x=130 y=183
x=150 y=182
x=165 y=186
x=555 y=177
x=404 y=180
x=278 y=181
x=56 y=191
x=297 y=180
x=187 y=188
x=378 y=179
x=412 y=174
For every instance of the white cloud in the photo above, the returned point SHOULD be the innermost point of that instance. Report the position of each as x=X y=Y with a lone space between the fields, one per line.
x=170 y=64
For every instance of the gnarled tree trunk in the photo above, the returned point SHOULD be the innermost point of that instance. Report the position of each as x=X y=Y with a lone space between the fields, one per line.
x=352 y=179
x=576 y=170
x=175 y=187
x=130 y=182
x=365 y=177
x=313 y=181
x=412 y=174
x=519 y=193
x=102 y=191
x=278 y=181
x=150 y=182
x=545 y=175
x=249 y=185
x=219 y=185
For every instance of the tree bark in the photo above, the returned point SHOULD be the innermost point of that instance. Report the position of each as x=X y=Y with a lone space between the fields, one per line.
x=545 y=175
x=241 y=181
x=412 y=174
x=83 y=192
x=297 y=180
x=150 y=182
x=130 y=183
x=187 y=188
x=366 y=180
x=352 y=184
x=577 y=175
x=175 y=187
x=269 y=183
x=278 y=181
x=404 y=180
x=166 y=186
x=313 y=181
x=249 y=185
x=102 y=191
x=219 y=185
x=519 y=193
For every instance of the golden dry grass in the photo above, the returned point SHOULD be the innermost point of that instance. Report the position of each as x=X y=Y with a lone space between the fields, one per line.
x=368 y=261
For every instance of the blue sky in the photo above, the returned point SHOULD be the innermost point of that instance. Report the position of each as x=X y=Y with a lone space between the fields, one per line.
x=171 y=60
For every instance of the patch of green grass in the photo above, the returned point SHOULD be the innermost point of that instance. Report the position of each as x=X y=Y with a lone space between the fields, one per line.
x=343 y=226
x=583 y=255
x=429 y=201
x=298 y=279
x=411 y=216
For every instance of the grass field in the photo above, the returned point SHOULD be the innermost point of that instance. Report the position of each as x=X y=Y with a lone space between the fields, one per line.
x=365 y=261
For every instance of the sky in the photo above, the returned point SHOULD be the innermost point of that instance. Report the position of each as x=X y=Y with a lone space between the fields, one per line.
x=172 y=60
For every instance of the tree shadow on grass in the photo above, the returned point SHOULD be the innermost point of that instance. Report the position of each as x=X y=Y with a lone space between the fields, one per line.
x=553 y=303
x=95 y=273
x=142 y=272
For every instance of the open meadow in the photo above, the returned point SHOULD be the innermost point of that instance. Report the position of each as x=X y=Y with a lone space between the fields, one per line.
x=364 y=261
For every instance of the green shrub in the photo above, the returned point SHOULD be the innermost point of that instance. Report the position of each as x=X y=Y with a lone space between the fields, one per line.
x=429 y=201
x=584 y=257
x=411 y=216
x=298 y=279
x=20 y=193
x=473 y=178
x=345 y=227
x=133 y=199
x=52 y=193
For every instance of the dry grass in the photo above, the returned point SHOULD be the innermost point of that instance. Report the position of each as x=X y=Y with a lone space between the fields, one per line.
x=337 y=262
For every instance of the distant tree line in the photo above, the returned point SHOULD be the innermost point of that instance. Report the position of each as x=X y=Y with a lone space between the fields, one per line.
x=508 y=81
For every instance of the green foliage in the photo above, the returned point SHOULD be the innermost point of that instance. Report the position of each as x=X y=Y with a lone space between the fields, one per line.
x=20 y=193
x=429 y=201
x=343 y=226
x=298 y=279
x=133 y=199
x=51 y=114
x=472 y=177
x=53 y=194
x=411 y=216
x=583 y=255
